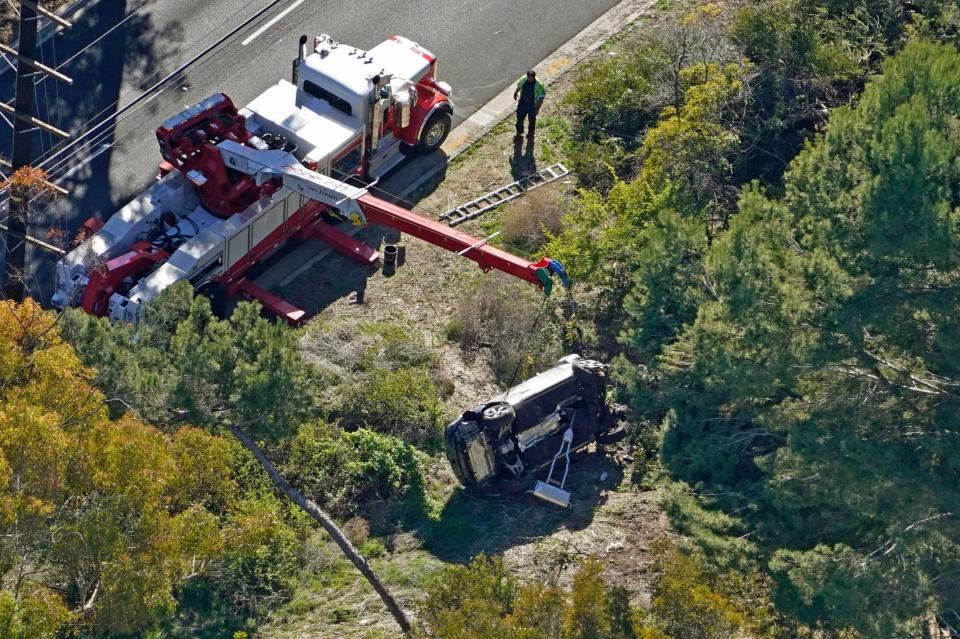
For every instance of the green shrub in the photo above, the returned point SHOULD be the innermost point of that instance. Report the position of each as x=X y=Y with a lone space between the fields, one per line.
x=262 y=558
x=381 y=464
x=402 y=402
x=611 y=95
x=686 y=606
x=372 y=548
x=315 y=463
x=343 y=471
x=598 y=164
x=483 y=600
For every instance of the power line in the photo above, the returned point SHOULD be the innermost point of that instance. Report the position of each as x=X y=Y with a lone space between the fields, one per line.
x=104 y=35
x=147 y=96
x=106 y=109
x=14 y=284
x=91 y=145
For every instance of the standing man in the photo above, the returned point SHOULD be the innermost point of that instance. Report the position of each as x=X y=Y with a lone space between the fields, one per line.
x=530 y=92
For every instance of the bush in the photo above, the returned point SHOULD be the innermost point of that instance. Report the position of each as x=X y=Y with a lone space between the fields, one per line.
x=262 y=557
x=527 y=221
x=404 y=403
x=343 y=471
x=611 y=95
x=381 y=464
x=501 y=315
x=484 y=601
x=372 y=549
x=686 y=606
x=345 y=349
x=599 y=164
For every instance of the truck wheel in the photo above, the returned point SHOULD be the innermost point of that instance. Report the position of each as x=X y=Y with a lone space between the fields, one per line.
x=614 y=435
x=435 y=132
x=218 y=296
x=497 y=417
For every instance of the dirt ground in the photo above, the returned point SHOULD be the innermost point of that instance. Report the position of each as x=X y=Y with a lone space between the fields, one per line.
x=610 y=518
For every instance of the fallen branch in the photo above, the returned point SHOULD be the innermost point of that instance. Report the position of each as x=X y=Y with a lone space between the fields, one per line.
x=328 y=525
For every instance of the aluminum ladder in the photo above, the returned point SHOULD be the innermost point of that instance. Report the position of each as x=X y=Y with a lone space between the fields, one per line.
x=477 y=207
x=552 y=489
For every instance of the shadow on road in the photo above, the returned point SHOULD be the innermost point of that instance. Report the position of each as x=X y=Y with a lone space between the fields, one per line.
x=131 y=54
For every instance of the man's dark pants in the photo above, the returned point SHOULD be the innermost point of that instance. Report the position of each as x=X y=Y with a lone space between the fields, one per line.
x=530 y=113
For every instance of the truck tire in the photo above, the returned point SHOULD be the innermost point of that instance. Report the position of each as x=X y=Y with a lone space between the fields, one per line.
x=218 y=296
x=435 y=131
x=497 y=417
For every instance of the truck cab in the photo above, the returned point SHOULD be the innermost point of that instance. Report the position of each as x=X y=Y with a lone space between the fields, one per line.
x=351 y=112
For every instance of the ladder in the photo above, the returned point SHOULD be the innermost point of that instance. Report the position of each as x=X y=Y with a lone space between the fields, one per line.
x=552 y=490
x=479 y=206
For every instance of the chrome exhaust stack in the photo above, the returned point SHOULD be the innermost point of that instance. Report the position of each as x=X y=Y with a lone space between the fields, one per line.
x=297 y=62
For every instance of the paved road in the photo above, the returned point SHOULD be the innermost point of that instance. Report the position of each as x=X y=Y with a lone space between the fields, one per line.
x=481 y=45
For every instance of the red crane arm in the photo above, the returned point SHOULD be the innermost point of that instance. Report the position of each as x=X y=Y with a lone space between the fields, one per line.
x=378 y=211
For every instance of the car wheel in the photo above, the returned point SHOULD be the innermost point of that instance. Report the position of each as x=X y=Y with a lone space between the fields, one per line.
x=497 y=417
x=435 y=132
x=614 y=435
x=590 y=372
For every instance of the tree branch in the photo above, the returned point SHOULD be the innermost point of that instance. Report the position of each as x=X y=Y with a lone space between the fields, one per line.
x=328 y=525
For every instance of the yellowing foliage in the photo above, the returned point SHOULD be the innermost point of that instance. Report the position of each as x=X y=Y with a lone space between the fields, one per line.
x=484 y=601
x=100 y=520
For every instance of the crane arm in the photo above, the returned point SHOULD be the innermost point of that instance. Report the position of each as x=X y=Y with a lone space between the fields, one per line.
x=488 y=257
x=361 y=207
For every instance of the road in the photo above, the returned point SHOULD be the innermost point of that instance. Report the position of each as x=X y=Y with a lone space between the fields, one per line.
x=481 y=47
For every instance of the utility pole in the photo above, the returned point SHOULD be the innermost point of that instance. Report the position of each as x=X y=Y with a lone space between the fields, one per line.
x=14 y=281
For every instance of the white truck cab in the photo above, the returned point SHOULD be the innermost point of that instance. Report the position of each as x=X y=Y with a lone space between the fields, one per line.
x=355 y=112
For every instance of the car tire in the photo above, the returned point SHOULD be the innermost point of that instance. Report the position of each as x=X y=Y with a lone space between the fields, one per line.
x=435 y=132
x=497 y=417
x=590 y=372
x=612 y=436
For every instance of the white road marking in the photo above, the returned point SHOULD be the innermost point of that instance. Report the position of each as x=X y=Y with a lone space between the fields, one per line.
x=280 y=16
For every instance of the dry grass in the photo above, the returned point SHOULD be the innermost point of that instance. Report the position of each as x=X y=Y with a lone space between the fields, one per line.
x=527 y=220
x=504 y=317
x=357 y=530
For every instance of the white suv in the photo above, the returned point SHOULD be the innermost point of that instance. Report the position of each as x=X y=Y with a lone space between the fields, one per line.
x=519 y=431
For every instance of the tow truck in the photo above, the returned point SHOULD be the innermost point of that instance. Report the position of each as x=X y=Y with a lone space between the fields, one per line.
x=236 y=185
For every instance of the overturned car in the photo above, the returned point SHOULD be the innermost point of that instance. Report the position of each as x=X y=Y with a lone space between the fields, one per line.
x=521 y=430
